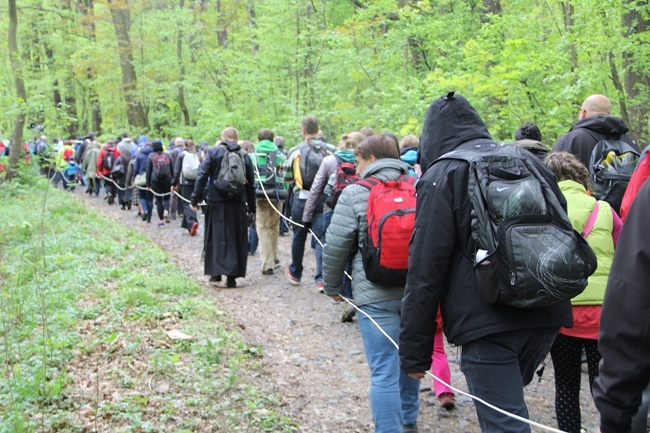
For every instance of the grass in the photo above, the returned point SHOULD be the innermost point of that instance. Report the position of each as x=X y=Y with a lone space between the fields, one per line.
x=84 y=308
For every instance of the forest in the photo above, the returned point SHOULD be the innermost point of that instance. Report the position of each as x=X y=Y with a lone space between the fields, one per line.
x=192 y=67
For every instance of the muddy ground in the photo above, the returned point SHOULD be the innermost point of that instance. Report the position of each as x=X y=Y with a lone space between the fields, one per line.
x=312 y=360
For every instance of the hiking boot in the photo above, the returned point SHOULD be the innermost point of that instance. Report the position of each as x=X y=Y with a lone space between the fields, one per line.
x=267 y=272
x=409 y=428
x=195 y=226
x=293 y=280
x=231 y=283
x=319 y=287
x=111 y=199
x=447 y=400
x=348 y=313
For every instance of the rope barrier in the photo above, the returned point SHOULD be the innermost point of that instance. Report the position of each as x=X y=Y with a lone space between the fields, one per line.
x=350 y=302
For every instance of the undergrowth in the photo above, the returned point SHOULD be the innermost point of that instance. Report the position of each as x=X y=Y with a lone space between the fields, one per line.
x=85 y=306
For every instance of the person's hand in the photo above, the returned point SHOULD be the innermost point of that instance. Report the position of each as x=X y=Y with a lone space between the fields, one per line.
x=194 y=207
x=148 y=188
x=307 y=224
x=336 y=298
x=172 y=188
x=418 y=376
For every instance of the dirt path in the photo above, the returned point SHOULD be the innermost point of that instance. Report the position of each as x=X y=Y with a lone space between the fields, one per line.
x=315 y=363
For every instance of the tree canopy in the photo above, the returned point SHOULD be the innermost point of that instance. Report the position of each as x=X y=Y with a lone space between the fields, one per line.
x=192 y=67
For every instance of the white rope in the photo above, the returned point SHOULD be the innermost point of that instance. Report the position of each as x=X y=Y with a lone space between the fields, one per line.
x=473 y=397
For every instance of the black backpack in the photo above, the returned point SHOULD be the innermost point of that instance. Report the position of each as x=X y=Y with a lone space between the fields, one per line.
x=109 y=160
x=311 y=156
x=231 y=178
x=526 y=253
x=611 y=167
x=270 y=176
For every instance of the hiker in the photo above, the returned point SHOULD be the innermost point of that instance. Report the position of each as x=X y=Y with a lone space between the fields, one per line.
x=600 y=226
x=441 y=273
x=394 y=397
x=301 y=167
x=231 y=190
x=70 y=173
x=408 y=152
x=89 y=165
x=286 y=204
x=268 y=161
x=253 y=239
x=145 y=197
x=624 y=371
x=595 y=123
x=529 y=137
x=186 y=171
x=160 y=172
x=175 y=150
x=440 y=369
x=120 y=174
x=105 y=162
x=61 y=161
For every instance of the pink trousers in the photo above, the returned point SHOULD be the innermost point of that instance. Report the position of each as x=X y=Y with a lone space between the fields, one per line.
x=440 y=364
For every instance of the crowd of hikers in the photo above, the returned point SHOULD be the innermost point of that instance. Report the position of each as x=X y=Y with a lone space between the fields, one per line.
x=513 y=250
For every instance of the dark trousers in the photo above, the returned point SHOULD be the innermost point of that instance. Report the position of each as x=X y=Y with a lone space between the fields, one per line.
x=162 y=202
x=300 y=237
x=146 y=201
x=189 y=216
x=566 y=354
x=497 y=367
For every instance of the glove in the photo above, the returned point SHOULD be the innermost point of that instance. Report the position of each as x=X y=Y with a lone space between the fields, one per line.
x=251 y=218
x=307 y=225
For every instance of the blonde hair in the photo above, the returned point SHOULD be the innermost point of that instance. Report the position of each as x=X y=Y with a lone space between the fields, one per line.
x=565 y=166
x=350 y=140
x=409 y=141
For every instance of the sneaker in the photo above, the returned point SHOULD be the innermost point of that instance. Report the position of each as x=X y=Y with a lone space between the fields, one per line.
x=447 y=400
x=267 y=272
x=348 y=313
x=195 y=226
x=231 y=283
x=166 y=216
x=319 y=287
x=111 y=199
x=161 y=224
x=293 y=280
x=106 y=197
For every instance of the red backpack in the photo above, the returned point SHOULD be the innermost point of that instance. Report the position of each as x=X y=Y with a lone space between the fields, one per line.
x=641 y=173
x=162 y=166
x=345 y=174
x=391 y=220
x=67 y=153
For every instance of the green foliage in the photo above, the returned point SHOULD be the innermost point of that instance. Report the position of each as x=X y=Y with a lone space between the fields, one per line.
x=270 y=62
x=78 y=291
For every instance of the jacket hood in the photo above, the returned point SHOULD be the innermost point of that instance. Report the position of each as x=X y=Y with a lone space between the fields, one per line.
x=450 y=121
x=346 y=155
x=533 y=146
x=606 y=125
x=386 y=168
x=409 y=155
x=157 y=146
x=266 y=146
x=231 y=145
x=146 y=150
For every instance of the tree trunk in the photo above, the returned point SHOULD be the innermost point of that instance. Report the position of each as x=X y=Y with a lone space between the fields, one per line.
x=135 y=112
x=179 y=56
x=222 y=29
x=253 y=24
x=490 y=7
x=16 y=68
x=87 y=8
x=637 y=80
x=568 y=26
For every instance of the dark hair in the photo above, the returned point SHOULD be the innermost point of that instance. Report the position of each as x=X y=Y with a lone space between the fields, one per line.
x=380 y=146
x=310 y=125
x=265 y=134
x=528 y=131
x=565 y=166
x=279 y=141
x=392 y=137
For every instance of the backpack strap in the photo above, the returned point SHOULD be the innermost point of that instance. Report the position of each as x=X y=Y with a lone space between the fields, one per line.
x=591 y=221
x=368 y=182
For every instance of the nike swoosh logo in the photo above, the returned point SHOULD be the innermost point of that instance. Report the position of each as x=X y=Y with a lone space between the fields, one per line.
x=502 y=189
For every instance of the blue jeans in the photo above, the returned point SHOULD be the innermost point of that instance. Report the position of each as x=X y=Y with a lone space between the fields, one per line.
x=394 y=396
x=300 y=237
x=497 y=367
x=146 y=201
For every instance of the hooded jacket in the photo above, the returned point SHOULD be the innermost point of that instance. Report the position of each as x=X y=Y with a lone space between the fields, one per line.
x=141 y=160
x=328 y=166
x=157 y=147
x=346 y=234
x=441 y=252
x=623 y=342
x=100 y=159
x=210 y=169
x=585 y=133
x=89 y=163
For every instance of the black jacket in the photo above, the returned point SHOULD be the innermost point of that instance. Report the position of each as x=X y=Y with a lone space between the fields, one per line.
x=624 y=340
x=210 y=169
x=441 y=251
x=585 y=133
x=151 y=176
